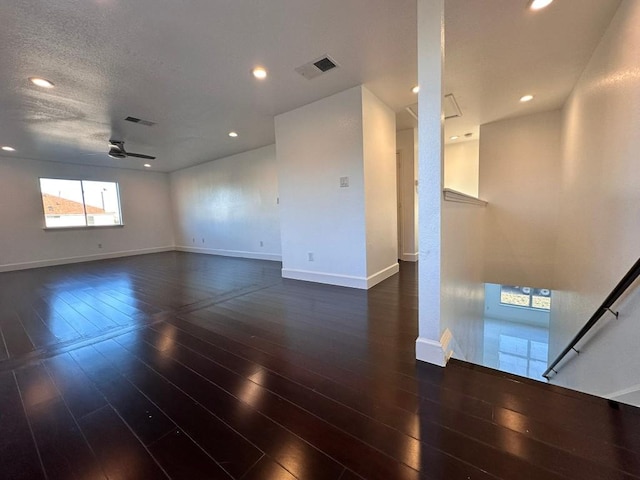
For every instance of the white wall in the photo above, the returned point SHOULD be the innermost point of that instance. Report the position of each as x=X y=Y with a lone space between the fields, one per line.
x=520 y=162
x=317 y=145
x=462 y=166
x=600 y=207
x=379 y=154
x=228 y=206
x=146 y=211
x=407 y=146
x=462 y=278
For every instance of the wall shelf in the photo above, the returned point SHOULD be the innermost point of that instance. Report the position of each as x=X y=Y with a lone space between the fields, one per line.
x=459 y=197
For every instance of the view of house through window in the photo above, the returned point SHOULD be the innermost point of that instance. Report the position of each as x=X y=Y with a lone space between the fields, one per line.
x=79 y=203
x=525 y=297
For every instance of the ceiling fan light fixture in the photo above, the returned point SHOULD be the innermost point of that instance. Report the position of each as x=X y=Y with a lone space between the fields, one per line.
x=539 y=4
x=260 y=73
x=115 y=152
x=147 y=165
x=233 y=134
x=7 y=148
x=41 y=82
x=526 y=98
x=416 y=89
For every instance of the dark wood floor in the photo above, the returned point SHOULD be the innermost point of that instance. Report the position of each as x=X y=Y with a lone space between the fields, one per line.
x=187 y=366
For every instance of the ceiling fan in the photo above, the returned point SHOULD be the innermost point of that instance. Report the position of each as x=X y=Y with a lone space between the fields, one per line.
x=116 y=150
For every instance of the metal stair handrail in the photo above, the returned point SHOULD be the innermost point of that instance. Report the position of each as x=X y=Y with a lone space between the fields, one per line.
x=616 y=293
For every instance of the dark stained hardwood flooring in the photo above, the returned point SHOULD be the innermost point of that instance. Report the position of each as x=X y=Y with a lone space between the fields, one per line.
x=189 y=366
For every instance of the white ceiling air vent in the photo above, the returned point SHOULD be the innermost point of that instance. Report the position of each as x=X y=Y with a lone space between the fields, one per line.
x=451 y=107
x=316 y=67
x=146 y=123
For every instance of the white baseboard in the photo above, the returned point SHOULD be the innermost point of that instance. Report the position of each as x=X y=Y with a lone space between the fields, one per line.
x=383 y=274
x=430 y=351
x=363 y=283
x=409 y=257
x=630 y=395
x=232 y=253
x=82 y=258
x=328 y=278
x=450 y=346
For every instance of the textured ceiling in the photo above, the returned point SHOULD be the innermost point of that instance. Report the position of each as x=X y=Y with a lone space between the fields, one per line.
x=497 y=51
x=186 y=66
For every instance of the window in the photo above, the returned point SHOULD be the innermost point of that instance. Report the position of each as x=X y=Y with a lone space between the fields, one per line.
x=79 y=203
x=539 y=298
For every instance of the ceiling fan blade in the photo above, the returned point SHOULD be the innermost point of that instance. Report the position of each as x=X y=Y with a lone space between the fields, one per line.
x=140 y=155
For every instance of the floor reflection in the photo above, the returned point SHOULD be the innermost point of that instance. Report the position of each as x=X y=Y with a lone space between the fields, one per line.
x=515 y=347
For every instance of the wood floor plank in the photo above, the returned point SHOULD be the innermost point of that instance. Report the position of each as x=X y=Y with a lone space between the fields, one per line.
x=322 y=434
x=388 y=440
x=64 y=451
x=55 y=323
x=267 y=468
x=229 y=371
x=15 y=336
x=80 y=395
x=439 y=414
x=224 y=444
x=35 y=328
x=298 y=457
x=182 y=458
x=19 y=458
x=118 y=450
x=143 y=417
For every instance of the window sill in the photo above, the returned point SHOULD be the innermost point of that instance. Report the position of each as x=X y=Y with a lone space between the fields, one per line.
x=94 y=227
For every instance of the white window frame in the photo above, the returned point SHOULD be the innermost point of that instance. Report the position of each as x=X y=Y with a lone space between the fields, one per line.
x=86 y=225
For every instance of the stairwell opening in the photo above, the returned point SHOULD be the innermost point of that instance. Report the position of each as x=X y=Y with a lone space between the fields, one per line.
x=516 y=329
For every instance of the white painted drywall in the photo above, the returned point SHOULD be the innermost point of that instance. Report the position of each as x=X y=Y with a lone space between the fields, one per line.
x=462 y=278
x=520 y=178
x=146 y=211
x=600 y=206
x=381 y=201
x=317 y=145
x=334 y=233
x=407 y=146
x=228 y=206
x=430 y=142
x=461 y=166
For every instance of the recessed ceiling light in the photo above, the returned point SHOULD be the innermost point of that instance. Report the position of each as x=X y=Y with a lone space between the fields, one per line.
x=539 y=4
x=416 y=89
x=260 y=73
x=233 y=134
x=455 y=137
x=41 y=82
x=526 y=98
x=7 y=148
x=147 y=165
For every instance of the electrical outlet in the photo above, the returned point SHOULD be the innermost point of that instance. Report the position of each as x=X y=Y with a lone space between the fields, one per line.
x=193 y=240
x=261 y=243
x=203 y=240
x=344 y=182
x=311 y=259
x=99 y=245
